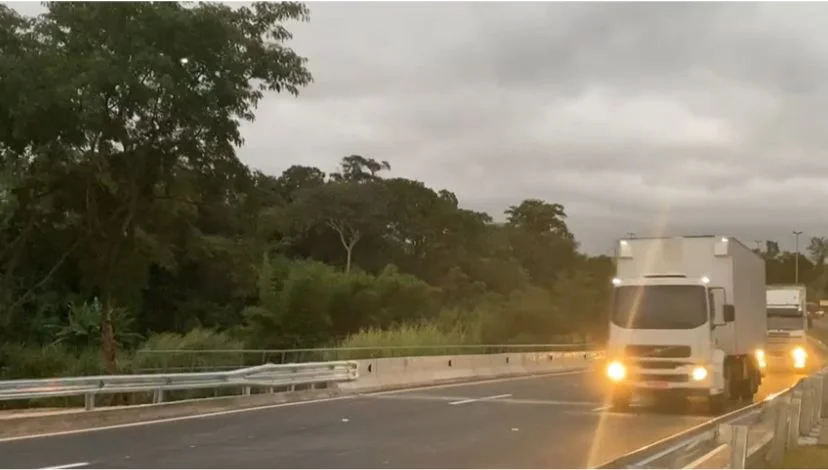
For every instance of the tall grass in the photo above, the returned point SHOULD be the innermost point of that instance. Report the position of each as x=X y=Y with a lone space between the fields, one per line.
x=405 y=340
x=153 y=357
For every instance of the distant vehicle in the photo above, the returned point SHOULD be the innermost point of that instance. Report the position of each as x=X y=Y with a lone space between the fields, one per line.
x=788 y=322
x=818 y=308
x=688 y=319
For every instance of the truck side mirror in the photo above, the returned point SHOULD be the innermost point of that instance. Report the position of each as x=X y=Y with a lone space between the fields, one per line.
x=729 y=313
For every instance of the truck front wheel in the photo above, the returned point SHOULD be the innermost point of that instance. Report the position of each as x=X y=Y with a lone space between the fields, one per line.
x=620 y=400
x=716 y=403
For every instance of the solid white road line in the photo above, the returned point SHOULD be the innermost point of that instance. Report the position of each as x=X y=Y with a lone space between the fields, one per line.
x=68 y=465
x=472 y=400
x=172 y=420
x=476 y=382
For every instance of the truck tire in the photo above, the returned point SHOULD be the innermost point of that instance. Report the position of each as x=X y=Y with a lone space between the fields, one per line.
x=745 y=390
x=716 y=404
x=620 y=401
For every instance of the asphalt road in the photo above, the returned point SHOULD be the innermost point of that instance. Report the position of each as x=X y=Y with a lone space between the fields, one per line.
x=557 y=421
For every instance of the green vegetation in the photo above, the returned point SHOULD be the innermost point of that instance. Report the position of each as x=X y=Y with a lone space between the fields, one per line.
x=127 y=222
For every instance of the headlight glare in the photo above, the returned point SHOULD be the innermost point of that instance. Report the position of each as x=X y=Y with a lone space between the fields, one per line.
x=699 y=373
x=616 y=371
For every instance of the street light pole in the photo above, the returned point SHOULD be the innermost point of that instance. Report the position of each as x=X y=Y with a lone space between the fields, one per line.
x=796 y=261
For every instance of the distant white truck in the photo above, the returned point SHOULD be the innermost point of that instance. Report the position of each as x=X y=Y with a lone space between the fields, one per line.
x=687 y=319
x=786 y=345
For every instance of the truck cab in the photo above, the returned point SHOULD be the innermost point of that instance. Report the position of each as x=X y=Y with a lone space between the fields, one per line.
x=672 y=321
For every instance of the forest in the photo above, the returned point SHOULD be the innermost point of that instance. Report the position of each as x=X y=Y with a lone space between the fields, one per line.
x=128 y=222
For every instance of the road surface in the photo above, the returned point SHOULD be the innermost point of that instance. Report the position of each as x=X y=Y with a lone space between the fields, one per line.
x=557 y=421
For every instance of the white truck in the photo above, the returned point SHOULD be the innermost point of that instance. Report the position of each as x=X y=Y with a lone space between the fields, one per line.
x=787 y=310
x=687 y=319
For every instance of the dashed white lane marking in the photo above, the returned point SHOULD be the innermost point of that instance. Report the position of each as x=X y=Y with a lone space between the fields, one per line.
x=68 y=465
x=472 y=400
x=412 y=396
x=602 y=408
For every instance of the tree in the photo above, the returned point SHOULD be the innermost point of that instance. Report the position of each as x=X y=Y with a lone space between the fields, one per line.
x=818 y=250
x=357 y=168
x=541 y=239
x=351 y=209
x=107 y=127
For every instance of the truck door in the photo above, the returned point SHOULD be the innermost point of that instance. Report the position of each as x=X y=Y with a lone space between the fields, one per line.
x=717 y=301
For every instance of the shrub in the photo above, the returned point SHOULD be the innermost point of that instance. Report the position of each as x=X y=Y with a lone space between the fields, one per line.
x=172 y=352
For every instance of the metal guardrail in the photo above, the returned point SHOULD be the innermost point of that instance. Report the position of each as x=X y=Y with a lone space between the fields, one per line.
x=755 y=436
x=267 y=375
x=202 y=360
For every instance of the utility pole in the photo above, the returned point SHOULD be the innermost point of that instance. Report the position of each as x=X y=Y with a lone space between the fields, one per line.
x=796 y=261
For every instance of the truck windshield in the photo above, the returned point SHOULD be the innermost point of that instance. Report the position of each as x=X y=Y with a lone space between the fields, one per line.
x=785 y=319
x=660 y=307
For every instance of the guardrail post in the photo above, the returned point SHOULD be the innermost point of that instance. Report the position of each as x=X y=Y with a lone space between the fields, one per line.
x=807 y=410
x=89 y=401
x=738 y=445
x=793 y=429
x=780 y=433
x=158 y=396
x=246 y=390
x=824 y=395
x=815 y=403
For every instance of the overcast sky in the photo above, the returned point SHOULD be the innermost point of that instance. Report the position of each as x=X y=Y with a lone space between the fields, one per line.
x=702 y=118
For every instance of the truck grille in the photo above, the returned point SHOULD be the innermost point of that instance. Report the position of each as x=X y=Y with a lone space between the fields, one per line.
x=641 y=350
x=644 y=364
x=673 y=378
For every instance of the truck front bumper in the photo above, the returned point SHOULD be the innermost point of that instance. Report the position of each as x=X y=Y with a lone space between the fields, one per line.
x=669 y=379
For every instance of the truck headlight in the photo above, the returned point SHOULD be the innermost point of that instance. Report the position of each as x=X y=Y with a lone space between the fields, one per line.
x=799 y=356
x=616 y=371
x=760 y=358
x=699 y=373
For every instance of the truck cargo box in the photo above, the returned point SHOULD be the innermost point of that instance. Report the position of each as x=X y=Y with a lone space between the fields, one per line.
x=725 y=261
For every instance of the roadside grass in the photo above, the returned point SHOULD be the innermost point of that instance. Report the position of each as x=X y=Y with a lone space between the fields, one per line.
x=806 y=457
x=404 y=340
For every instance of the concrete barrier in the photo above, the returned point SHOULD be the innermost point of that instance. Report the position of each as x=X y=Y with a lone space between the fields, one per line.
x=398 y=372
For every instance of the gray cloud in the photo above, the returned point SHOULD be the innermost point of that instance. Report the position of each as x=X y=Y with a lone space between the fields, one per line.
x=638 y=117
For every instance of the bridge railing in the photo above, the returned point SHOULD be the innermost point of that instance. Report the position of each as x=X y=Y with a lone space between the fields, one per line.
x=756 y=436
